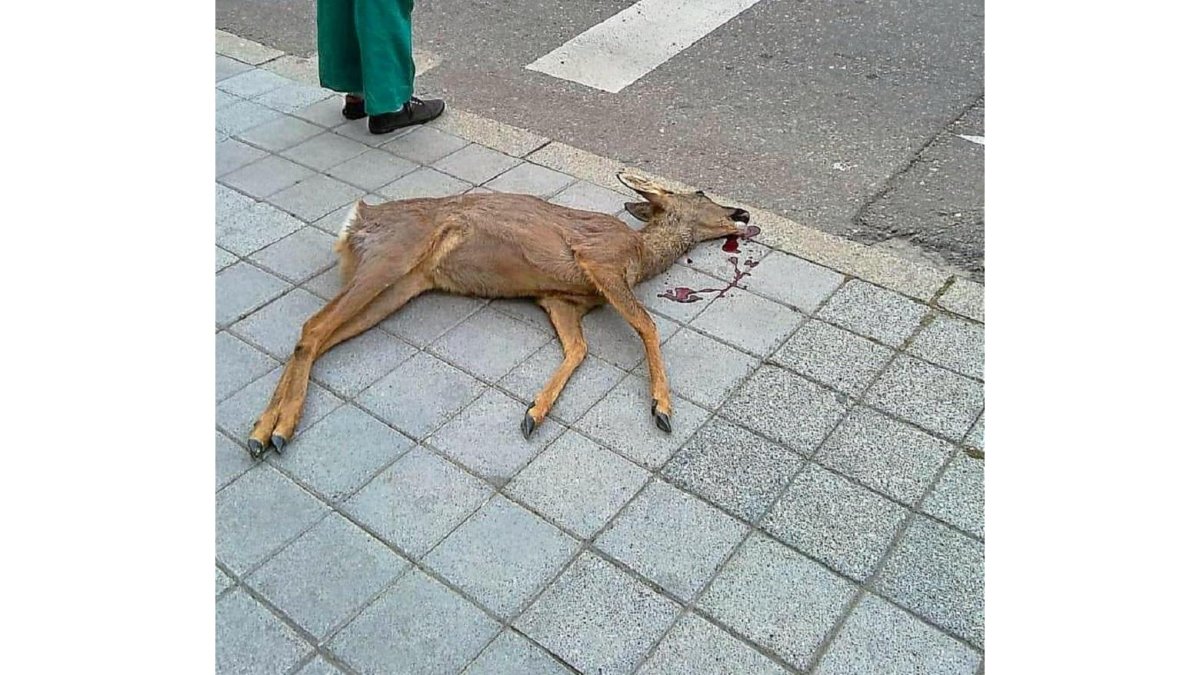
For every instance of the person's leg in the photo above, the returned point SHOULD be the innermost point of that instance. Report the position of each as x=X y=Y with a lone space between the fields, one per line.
x=339 y=64
x=385 y=51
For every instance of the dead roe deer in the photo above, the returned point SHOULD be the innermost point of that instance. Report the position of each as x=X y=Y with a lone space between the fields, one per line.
x=502 y=246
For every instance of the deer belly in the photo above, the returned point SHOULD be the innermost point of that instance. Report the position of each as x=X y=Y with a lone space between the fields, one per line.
x=499 y=269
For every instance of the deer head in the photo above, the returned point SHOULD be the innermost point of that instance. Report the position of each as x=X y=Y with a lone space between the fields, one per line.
x=692 y=212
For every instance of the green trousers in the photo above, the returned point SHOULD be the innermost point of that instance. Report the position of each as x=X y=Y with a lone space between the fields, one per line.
x=365 y=47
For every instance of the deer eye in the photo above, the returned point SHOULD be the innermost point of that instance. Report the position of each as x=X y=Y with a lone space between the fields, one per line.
x=701 y=193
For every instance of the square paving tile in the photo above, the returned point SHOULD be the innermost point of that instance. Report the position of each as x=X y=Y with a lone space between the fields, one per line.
x=672 y=538
x=299 y=255
x=291 y=97
x=358 y=130
x=276 y=327
x=373 y=169
x=892 y=457
x=965 y=298
x=844 y=525
x=326 y=284
x=259 y=513
x=238 y=364
x=974 y=438
x=326 y=112
x=622 y=421
x=702 y=369
x=252 y=83
x=833 y=356
x=233 y=154
x=695 y=645
x=315 y=196
x=318 y=666
x=227 y=67
x=236 y=415
x=250 y=639
x=502 y=556
x=361 y=361
x=232 y=460
x=324 y=151
x=424 y=182
x=341 y=452
x=280 y=133
x=488 y=344
x=475 y=164
x=486 y=437
x=778 y=599
x=223 y=581
x=710 y=258
x=589 y=383
x=224 y=258
x=931 y=397
x=611 y=338
x=958 y=497
x=417 y=626
x=327 y=574
x=677 y=276
x=428 y=316
x=425 y=145
x=938 y=574
x=597 y=618
x=754 y=324
x=242 y=115
x=530 y=179
x=577 y=484
x=417 y=501
x=793 y=281
x=230 y=201
x=880 y=638
x=733 y=468
x=248 y=230
x=511 y=654
x=266 y=176
x=524 y=309
x=587 y=196
x=951 y=343
x=242 y=288
x=785 y=408
x=421 y=395
x=874 y=312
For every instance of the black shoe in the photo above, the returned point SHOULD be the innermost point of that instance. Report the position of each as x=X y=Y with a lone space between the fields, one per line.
x=354 y=110
x=415 y=111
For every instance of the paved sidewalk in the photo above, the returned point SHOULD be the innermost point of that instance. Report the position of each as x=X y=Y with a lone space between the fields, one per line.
x=818 y=508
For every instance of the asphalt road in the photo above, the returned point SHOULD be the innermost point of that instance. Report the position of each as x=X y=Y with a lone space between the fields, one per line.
x=846 y=115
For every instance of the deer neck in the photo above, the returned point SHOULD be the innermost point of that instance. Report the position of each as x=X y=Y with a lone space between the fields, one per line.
x=664 y=239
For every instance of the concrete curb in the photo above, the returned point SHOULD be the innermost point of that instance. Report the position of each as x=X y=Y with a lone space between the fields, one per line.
x=922 y=282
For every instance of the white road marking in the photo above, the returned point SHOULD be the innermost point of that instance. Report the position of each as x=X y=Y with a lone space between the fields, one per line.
x=618 y=51
x=973 y=139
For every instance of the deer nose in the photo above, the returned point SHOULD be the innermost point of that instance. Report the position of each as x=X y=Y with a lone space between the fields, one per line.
x=741 y=215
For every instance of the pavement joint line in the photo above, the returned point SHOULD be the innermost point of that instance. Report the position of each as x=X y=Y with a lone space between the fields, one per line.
x=844 y=255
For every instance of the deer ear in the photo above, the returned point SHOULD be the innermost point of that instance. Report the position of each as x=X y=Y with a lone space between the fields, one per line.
x=640 y=184
x=640 y=210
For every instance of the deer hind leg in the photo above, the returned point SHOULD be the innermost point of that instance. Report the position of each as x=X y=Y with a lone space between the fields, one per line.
x=567 y=319
x=615 y=289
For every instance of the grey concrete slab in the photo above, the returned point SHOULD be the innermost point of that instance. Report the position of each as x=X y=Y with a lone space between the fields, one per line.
x=232 y=461
x=958 y=497
x=793 y=281
x=325 y=285
x=266 y=176
x=315 y=196
x=224 y=581
x=252 y=640
x=224 y=98
x=230 y=201
x=417 y=501
x=318 y=666
x=938 y=574
x=833 y=356
x=708 y=257
x=238 y=364
x=974 y=438
x=324 y=151
x=611 y=338
x=425 y=145
x=421 y=395
x=785 y=408
x=475 y=164
x=486 y=437
x=361 y=361
x=502 y=555
x=702 y=369
x=587 y=196
x=597 y=618
x=298 y=256
x=258 y=513
x=242 y=115
x=965 y=298
x=292 y=97
x=233 y=154
x=695 y=645
x=678 y=276
x=930 y=397
x=341 y=452
x=875 y=312
x=530 y=179
x=372 y=169
x=892 y=457
x=488 y=344
x=511 y=654
x=325 y=113
x=276 y=327
x=588 y=384
x=778 y=599
x=324 y=577
x=242 y=288
x=280 y=133
x=733 y=468
x=227 y=67
x=753 y=323
x=252 y=82
x=881 y=638
x=951 y=343
x=622 y=421
x=424 y=182
x=417 y=626
x=429 y=315
x=247 y=230
x=236 y=415
x=358 y=130
x=577 y=484
x=672 y=538
x=843 y=525
x=224 y=258
x=524 y=309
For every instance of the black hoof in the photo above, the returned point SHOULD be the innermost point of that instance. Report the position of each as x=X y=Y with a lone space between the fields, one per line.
x=662 y=421
x=278 y=442
x=528 y=424
x=256 y=448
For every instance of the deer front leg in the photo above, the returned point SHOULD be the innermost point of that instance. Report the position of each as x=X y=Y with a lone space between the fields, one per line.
x=567 y=319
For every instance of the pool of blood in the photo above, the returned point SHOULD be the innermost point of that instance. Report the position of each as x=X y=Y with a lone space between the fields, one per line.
x=741 y=269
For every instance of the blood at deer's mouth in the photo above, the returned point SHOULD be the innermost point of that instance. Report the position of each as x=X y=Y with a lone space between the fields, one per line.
x=741 y=269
